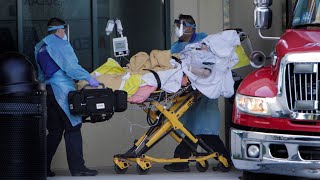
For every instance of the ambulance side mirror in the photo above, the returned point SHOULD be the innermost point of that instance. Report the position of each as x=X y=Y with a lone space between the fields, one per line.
x=257 y=59
x=262 y=14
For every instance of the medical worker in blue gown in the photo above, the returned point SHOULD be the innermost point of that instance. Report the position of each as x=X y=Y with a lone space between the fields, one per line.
x=58 y=68
x=203 y=118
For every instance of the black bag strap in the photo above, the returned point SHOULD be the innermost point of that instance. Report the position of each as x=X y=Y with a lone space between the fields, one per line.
x=97 y=118
x=176 y=59
x=157 y=78
x=87 y=85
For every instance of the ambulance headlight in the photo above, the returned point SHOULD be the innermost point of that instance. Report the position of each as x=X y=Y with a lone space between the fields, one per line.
x=252 y=105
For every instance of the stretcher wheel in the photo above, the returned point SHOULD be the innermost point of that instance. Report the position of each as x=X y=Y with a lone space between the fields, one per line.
x=118 y=170
x=200 y=168
x=142 y=171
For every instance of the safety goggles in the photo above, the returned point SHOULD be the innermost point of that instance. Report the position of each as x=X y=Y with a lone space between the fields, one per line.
x=65 y=27
x=178 y=22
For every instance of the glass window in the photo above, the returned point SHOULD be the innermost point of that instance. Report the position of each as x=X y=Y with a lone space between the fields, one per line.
x=8 y=26
x=77 y=14
x=104 y=42
x=143 y=24
x=307 y=13
x=23 y=23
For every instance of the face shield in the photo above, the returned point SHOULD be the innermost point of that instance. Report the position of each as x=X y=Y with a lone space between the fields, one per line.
x=178 y=22
x=66 y=30
x=179 y=27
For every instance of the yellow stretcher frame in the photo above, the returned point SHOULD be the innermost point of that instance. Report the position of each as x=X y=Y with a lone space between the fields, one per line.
x=169 y=125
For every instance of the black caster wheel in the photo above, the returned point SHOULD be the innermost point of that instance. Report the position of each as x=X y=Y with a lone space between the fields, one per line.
x=200 y=168
x=142 y=171
x=118 y=170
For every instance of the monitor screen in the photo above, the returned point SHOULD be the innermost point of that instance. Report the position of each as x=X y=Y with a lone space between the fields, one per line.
x=120 y=45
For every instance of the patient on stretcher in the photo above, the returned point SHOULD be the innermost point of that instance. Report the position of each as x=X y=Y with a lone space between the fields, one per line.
x=206 y=65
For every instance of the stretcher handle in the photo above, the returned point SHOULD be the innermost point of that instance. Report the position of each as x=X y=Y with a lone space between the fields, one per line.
x=100 y=84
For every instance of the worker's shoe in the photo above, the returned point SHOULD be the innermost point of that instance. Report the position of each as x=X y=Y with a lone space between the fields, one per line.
x=50 y=173
x=177 y=167
x=84 y=172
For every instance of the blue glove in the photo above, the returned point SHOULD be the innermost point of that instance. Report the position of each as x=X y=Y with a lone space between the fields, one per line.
x=93 y=82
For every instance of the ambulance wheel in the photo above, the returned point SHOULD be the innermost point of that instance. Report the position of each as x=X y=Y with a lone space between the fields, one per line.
x=118 y=170
x=142 y=171
x=200 y=168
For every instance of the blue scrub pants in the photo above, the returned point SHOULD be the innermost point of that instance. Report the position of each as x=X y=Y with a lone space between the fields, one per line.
x=183 y=151
x=58 y=124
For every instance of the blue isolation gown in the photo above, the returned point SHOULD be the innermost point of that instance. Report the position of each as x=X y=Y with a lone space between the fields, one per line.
x=62 y=82
x=178 y=46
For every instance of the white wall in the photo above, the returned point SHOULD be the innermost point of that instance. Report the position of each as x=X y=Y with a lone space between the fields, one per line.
x=103 y=140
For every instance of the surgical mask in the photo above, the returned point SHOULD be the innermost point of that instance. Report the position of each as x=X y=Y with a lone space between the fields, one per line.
x=66 y=30
x=65 y=37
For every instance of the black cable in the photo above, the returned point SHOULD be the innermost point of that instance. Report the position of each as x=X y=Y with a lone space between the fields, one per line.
x=149 y=120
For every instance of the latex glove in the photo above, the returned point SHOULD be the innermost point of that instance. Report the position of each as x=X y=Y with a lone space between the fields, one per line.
x=93 y=82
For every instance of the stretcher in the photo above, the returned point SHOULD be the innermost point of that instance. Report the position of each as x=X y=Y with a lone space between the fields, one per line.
x=164 y=111
x=164 y=121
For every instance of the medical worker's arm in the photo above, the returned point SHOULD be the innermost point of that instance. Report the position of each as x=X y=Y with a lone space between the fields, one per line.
x=68 y=62
x=93 y=82
x=41 y=77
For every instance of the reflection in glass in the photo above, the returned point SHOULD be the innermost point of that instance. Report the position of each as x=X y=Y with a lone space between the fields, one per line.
x=143 y=22
x=104 y=42
x=8 y=26
x=307 y=12
x=76 y=13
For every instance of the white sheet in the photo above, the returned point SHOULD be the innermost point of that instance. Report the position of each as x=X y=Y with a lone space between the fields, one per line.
x=170 y=79
x=222 y=54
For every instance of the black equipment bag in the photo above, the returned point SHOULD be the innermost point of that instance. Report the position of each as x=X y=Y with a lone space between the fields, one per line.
x=97 y=105
x=97 y=118
x=88 y=102
x=97 y=101
x=75 y=103
x=120 y=103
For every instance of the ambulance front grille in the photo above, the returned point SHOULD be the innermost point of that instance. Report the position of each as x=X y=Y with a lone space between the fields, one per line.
x=302 y=87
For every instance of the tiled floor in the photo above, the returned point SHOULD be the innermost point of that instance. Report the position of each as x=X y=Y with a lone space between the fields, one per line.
x=156 y=173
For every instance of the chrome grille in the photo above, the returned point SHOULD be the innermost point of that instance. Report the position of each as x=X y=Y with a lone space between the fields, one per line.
x=302 y=87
